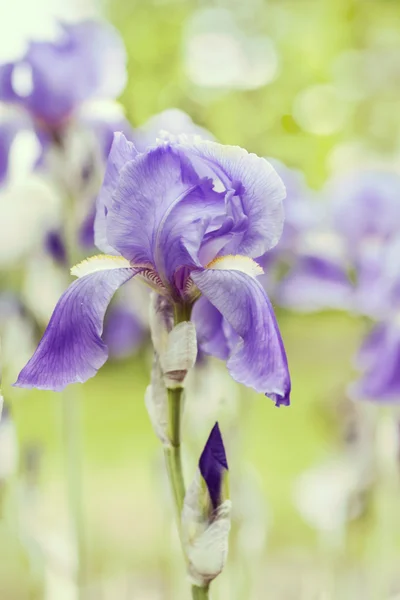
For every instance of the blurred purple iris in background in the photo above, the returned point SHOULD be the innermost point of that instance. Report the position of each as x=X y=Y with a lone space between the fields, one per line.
x=379 y=355
x=187 y=217
x=54 y=78
x=341 y=258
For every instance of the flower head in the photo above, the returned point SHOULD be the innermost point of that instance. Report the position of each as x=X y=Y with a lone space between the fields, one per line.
x=187 y=217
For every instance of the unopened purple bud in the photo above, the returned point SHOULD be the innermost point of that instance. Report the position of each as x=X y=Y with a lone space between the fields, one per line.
x=213 y=465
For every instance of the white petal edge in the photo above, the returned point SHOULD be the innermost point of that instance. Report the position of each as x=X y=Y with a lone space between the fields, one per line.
x=100 y=262
x=237 y=262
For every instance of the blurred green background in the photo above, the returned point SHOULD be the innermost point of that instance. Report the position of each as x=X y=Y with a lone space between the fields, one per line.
x=326 y=93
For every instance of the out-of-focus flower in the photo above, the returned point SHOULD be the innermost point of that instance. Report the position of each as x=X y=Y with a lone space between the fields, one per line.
x=53 y=79
x=316 y=284
x=362 y=218
x=206 y=514
x=379 y=358
x=185 y=217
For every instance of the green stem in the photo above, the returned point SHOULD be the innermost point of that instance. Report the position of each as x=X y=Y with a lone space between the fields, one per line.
x=173 y=453
x=199 y=593
x=72 y=442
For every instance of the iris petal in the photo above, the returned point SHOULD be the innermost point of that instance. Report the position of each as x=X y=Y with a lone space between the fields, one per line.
x=259 y=359
x=71 y=349
x=160 y=210
x=122 y=151
x=256 y=204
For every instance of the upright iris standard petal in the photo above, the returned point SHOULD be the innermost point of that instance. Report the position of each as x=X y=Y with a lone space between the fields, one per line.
x=254 y=198
x=259 y=359
x=213 y=464
x=71 y=349
x=149 y=189
x=122 y=151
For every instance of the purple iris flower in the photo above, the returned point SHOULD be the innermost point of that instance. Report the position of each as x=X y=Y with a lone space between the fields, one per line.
x=379 y=355
x=365 y=208
x=53 y=79
x=186 y=217
x=316 y=283
x=342 y=257
x=213 y=465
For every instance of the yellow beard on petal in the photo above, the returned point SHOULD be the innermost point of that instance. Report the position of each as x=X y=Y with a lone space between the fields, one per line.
x=237 y=262
x=100 y=262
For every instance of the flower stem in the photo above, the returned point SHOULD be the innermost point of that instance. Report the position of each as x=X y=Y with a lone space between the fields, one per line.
x=173 y=453
x=199 y=593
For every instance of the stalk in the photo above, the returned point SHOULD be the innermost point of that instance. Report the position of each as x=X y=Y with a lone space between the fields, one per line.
x=173 y=457
x=199 y=593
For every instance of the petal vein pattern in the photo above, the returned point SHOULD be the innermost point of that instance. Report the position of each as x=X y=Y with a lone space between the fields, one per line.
x=71 y=349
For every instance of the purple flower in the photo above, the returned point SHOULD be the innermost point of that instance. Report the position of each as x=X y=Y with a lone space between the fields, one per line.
x=185 y=217
x=365 y=208
x=379 y=357
x=53 y=79
x=213 y=466
x=316 y=283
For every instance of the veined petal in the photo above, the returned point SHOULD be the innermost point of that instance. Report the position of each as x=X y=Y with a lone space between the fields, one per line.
x=143 y=220
x=122 y=151
x=259 y=359
x=257 y=198
x=71 y=349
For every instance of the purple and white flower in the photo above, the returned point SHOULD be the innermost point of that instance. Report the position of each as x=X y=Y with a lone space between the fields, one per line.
x=186 y=217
